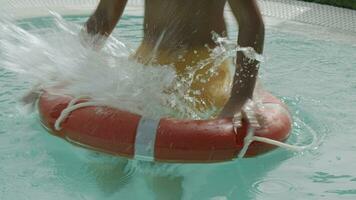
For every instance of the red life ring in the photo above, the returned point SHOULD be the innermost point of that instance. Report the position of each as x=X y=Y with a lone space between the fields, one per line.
x=130 y=135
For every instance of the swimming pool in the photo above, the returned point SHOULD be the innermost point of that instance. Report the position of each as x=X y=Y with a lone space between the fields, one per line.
x=313 y=74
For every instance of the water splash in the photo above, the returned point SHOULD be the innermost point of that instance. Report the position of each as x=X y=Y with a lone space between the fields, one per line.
x=228 y=48
x=65 y=55
x=58 y=57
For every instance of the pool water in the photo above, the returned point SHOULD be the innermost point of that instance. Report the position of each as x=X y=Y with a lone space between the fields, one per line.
x=315 y=78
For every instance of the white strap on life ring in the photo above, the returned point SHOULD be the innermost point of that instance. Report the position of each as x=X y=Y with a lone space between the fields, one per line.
x=146 y=138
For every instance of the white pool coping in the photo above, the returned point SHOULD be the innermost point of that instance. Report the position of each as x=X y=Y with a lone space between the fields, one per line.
x=320 y=21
